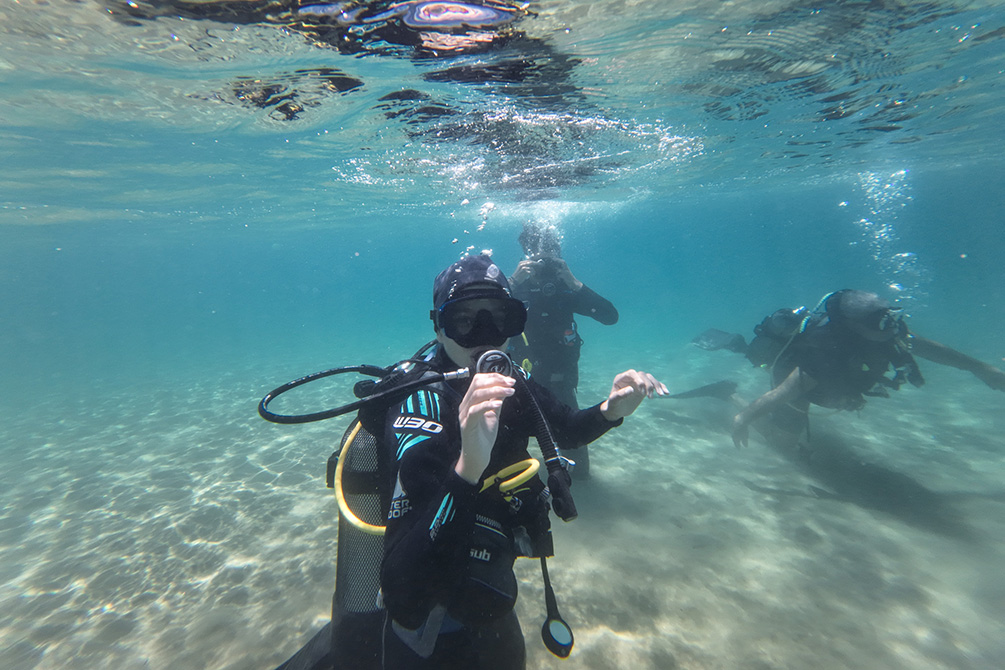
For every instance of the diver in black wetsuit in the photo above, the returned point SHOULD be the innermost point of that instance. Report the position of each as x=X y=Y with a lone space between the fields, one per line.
x=550 y=346
x=835 y=357
x=452 y=535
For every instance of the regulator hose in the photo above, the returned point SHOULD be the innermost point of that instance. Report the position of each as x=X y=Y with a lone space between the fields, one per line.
x=558 y=476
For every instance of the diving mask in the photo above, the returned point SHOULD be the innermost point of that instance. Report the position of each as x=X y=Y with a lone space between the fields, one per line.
x=473 y=322
x=887 y=321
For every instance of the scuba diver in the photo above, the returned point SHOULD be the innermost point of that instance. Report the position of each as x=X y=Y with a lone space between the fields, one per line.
x=439 y=452
x=453 y=531
x=550 y=345
x=834 y=357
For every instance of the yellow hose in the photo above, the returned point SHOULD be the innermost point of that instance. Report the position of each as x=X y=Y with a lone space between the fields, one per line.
x=343 y=506
x=524 y=470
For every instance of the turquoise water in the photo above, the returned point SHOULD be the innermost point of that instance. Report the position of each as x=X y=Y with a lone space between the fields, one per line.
x=170 y=251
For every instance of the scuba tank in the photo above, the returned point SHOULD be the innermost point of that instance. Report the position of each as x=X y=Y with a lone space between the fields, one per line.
x=773 y=334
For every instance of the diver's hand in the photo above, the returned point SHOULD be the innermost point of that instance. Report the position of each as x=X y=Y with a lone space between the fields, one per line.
x=479 y=417
x=741 y=430
x=564 y=275
x=991 y=376
x=524 y=271
x=628 y=391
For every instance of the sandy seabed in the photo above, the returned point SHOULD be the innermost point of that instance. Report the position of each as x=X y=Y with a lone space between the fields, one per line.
x=173 y=528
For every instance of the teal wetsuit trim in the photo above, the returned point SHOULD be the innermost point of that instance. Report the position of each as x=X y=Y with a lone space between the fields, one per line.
x=443 y=516
x=406 y=441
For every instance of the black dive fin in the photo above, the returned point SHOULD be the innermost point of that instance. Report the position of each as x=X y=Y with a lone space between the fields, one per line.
x=722 y=390
x=315 y=655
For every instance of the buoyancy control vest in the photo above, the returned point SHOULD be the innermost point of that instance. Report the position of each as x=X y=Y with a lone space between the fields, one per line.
x=773 y=334
x=846 y=367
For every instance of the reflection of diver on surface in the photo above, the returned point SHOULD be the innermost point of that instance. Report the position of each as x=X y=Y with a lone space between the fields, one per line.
x=351 y=27
x=289 y=95
x=550 y=346
x=531 y=121
x=440 y=455
x=523 y=68
x=834 y=357
x=422 y=30
x=525 y=123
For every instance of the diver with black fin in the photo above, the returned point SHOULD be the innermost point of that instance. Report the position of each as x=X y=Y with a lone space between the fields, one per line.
x=439 y=453
x=834 y=356
x=550 y=346
x=852 y=346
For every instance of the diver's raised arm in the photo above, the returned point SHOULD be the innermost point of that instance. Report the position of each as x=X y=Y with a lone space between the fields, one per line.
x=939 y=353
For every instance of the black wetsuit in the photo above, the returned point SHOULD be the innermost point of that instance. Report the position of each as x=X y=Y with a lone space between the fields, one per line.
x=845 y=366
x=448 y=549
x=553 y=340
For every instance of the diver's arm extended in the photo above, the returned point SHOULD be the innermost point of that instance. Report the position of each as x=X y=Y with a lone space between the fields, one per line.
x=798 y=383
x=585 y=300
x=939 y=353
x=571 y=428
x=628 y=391
x=590 y=303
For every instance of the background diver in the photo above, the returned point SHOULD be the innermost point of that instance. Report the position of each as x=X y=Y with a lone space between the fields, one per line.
x=447 y=578
x=834 y=357
x=550 y=346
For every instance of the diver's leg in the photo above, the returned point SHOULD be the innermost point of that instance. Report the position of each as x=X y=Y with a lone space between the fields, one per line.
x=565 y=390
x=564 y=384
x=395 y=655
x=492 y=647
x=501 y=645
x=581 y=457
